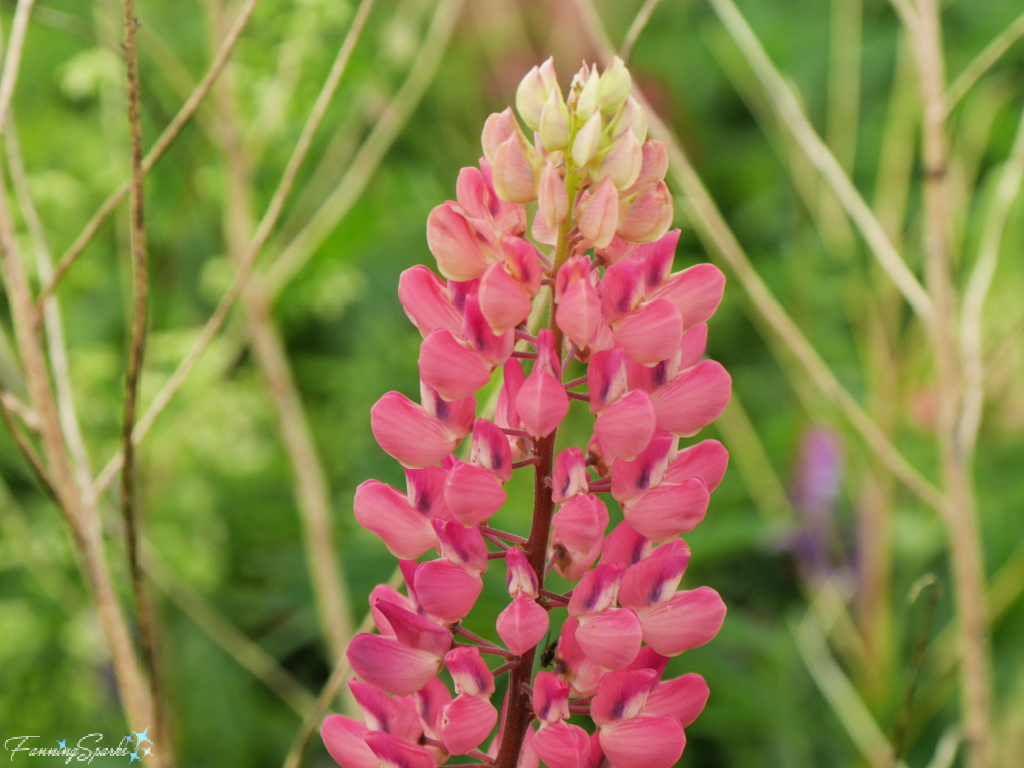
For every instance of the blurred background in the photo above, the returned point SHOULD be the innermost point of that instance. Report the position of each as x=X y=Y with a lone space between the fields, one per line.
x=839 y=648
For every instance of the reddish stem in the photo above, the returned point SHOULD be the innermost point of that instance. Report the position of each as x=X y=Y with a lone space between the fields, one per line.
x=524 y=355
x=525 y=463
x=502 y=535
x=575 y=382
x=584 y=396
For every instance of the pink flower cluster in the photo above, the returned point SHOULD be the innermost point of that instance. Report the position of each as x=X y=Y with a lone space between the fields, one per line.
x=639 y=333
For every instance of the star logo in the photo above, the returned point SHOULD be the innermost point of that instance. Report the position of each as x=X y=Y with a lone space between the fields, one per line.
x=134 y=756
x=128 y=738
x=61 y=742
x=146 y=750
x=141 y=737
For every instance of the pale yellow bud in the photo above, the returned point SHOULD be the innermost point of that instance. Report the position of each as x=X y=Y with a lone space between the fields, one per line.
x=623 y=162
x=588 y=141
x=614 y=85
x=587 y=102
x=554 y=122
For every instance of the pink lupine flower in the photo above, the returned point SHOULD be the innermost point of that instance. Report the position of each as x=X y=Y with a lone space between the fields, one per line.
x=640 y=334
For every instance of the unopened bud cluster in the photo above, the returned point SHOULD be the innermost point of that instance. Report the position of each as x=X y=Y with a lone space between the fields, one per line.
x=639 y=330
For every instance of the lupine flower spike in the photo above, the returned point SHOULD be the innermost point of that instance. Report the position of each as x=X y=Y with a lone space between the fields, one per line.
x=600 y=241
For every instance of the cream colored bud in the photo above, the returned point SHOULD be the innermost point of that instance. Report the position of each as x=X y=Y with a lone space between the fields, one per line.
x=588 y=141
x=631 y=116
x=530 y=98
x=554 y=122
x=614 y=85
x=587 y=103
x=623 y=162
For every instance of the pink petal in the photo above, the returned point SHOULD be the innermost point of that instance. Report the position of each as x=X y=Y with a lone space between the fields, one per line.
x=345 y=740
x=387 y=594
x=598 y=216
x=570 y=475
x=491 y=450
x=576 y=268
x=505 y=414
x=381 y=509
x=657 y=259
x=461 y=545
x=625 y=546
x=683 y=698
x=416 y=631
x=655 y=578
x=669 y=509
x=496 y=349
x=652 y=377
x=578 y=531
x=648 y=216
x=542 y=403
x=582 y=674
x=653 y=167
x=550 y=698
x=455 y=416
x=430 y=703
x=696 y=291
x=503 y=301
x=426 y=491
x=514 y=176
x=522 y=261
x=689 y=620
x=473 y=193
x=467 y=721
x=473 y=493
x=520 y=578
x=706 y=460
x=611 y=639
x=522 y=625
x=622 y=289
x=408 y=434
x=579 y=313
x=650 y=334
x=630 y=479
x=648 y=658
x=447 y=590
x=647 y=741
x=469 y=671
x=597 y=590
x=497 y=128
x=561 y=745
x=625 y=428
x=456 y=244
x=621 y=695
x=425 y=300
x=695 y=341
x=606 y=378
x=391 y=666
x=395 y=753
x=695 y=399
x=552 y=198
x=382 y=713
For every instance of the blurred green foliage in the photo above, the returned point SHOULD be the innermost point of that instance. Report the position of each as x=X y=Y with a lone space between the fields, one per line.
x=216 y=485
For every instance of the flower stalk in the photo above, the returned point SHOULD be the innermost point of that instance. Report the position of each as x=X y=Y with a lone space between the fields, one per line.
x=603 y=211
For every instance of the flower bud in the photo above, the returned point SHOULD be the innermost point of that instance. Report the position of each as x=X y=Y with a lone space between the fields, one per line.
x=599 y=215
x=648 y=216
x=587 y=141
x=614 y=85
x=533 y=92
x=587 y=100
x=497 y=129
x=623 y=162
x=630 y=116
x=554 y=122
x=552 y=197
x=515 y=178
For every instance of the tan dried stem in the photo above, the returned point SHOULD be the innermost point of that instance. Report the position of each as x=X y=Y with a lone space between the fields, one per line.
x=720 y=241
x=163 y=142
x=796 y=121
x=983 y=62
x=246 y=264
x=965 y=545
x=12 y=61
x=972 y=345
x=53 y=322
x=311 y=486
x=133 y=373
x=294 y=255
